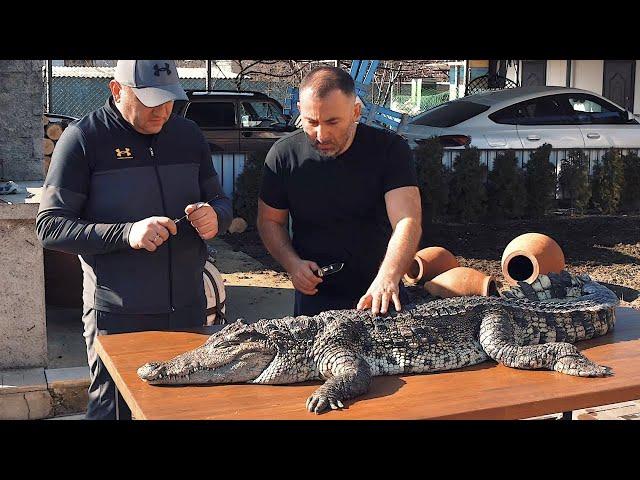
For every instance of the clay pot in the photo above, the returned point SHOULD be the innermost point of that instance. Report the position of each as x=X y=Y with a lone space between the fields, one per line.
x=530 y=255
x=462 y=281
x=428 y=263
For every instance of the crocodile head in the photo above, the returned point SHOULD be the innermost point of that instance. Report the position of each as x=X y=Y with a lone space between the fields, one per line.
x=236 y=354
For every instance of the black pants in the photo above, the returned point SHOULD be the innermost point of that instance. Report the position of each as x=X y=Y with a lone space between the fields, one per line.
x=101 y=404
x=314 y=304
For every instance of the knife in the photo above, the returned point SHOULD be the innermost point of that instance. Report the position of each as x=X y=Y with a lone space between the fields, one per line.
x=329 y=269
x=178 y=220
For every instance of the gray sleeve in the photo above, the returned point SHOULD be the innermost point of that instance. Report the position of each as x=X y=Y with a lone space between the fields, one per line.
x=210 y=188
x=59 y=223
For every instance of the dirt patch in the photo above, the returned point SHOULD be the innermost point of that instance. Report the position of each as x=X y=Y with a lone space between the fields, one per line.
x=605 y=247
x=249 y=242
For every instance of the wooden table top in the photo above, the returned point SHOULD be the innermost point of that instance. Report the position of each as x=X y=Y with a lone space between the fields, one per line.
x=484 y=391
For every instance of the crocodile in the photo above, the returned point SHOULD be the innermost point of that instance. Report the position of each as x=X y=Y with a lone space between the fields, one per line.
x=530 y=326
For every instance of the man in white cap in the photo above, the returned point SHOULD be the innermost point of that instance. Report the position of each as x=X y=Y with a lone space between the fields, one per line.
x=118 y=178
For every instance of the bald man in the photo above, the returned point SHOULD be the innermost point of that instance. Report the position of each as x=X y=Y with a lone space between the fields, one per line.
x=352 y=194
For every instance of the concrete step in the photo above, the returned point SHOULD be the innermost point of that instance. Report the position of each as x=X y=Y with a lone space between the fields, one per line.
x=36 y=393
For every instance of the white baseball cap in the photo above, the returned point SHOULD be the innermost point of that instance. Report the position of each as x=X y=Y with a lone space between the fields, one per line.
x=153 y=81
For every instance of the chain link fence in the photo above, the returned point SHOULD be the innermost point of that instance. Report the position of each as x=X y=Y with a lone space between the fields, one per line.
x=78 y=90
x=409 y=104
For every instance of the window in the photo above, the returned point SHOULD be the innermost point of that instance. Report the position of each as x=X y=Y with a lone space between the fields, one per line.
x=212 y=114
x=450 y=114
x=549 y=110
x=260 y=114
x=509 y=115
x=592 y=110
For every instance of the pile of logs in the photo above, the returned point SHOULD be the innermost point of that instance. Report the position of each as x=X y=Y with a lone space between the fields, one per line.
x=53 y=128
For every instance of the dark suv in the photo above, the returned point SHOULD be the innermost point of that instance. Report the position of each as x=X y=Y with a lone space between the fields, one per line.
x=236 y=121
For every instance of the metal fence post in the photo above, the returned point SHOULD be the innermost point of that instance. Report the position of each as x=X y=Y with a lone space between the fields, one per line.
x=208 y=79
x=48 y=75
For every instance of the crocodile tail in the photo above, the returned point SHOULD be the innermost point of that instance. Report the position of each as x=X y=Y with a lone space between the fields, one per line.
x=550 y=286
x=563 y=286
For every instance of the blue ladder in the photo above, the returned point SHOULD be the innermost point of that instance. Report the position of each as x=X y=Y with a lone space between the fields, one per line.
x=362 y=72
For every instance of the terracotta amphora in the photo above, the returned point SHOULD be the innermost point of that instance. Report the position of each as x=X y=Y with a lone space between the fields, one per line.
x=462 y=281
x=428 y=263
x=530 y=255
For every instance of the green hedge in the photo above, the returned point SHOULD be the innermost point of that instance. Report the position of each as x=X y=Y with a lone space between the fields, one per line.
x=629 y=196
x=433 y=180
x=573 y=180
x=247 y=188
x=606 y=183
x=540 y=182
x=467 y=191
x=506 y=188
x=509 y=192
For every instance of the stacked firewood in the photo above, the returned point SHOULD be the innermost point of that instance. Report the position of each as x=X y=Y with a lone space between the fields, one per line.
x=53 y=129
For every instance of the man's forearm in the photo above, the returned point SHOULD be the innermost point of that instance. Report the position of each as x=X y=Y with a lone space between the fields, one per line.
x=276 y=238
x=80 y=237
x=402 y=248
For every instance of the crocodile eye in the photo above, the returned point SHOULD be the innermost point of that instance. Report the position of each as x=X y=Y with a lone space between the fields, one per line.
x=247 y=336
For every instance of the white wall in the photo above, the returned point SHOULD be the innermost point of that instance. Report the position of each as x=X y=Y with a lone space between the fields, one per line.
x=588 y=75
x=557 y=73
x=512 y=72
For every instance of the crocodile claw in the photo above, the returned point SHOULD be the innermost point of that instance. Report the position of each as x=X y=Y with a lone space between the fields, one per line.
x=320 y=401
x=581 y=366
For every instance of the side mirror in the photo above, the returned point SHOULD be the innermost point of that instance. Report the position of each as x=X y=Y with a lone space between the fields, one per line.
x=630 y=116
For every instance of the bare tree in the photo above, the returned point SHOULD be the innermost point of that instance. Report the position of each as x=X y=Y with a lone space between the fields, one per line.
x=291 y=71
x=391 y=72
x=388 y=74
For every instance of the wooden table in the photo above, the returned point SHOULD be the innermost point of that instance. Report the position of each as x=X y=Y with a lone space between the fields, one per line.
x=484 y=391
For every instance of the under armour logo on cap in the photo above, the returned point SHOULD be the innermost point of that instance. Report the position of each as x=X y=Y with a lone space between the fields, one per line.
x=146 y=81
x=158 y=69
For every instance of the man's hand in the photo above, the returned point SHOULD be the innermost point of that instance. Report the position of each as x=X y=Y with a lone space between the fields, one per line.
x=204 y=219
x=151 y=232
x=303 y=278
x=383 y=289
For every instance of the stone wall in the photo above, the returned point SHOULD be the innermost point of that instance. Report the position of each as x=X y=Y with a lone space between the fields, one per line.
x=21 y=106
x=23 y=331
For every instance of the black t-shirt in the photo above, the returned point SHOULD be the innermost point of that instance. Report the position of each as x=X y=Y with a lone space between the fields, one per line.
x=337 y=204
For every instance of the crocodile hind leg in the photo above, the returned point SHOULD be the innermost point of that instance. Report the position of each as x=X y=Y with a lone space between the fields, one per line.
x=348 y=376
x=499 y=337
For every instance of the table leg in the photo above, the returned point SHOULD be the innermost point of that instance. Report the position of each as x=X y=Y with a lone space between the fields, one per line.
x=117 y=400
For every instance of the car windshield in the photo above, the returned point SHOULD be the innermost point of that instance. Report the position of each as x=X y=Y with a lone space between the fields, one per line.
x=449 y=114
x=255 y=113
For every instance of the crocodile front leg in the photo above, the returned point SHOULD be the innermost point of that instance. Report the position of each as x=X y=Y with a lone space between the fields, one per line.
x=500 y=339
x=348 y=376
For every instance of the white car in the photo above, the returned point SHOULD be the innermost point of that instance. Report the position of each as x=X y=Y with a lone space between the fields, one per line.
x=527 y=117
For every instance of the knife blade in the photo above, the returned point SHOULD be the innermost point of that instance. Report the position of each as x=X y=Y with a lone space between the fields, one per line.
x=329 y=269
x=178 y=220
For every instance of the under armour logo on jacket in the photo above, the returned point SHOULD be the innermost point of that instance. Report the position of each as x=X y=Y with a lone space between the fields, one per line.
x=124 y=153
x=157 y=69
